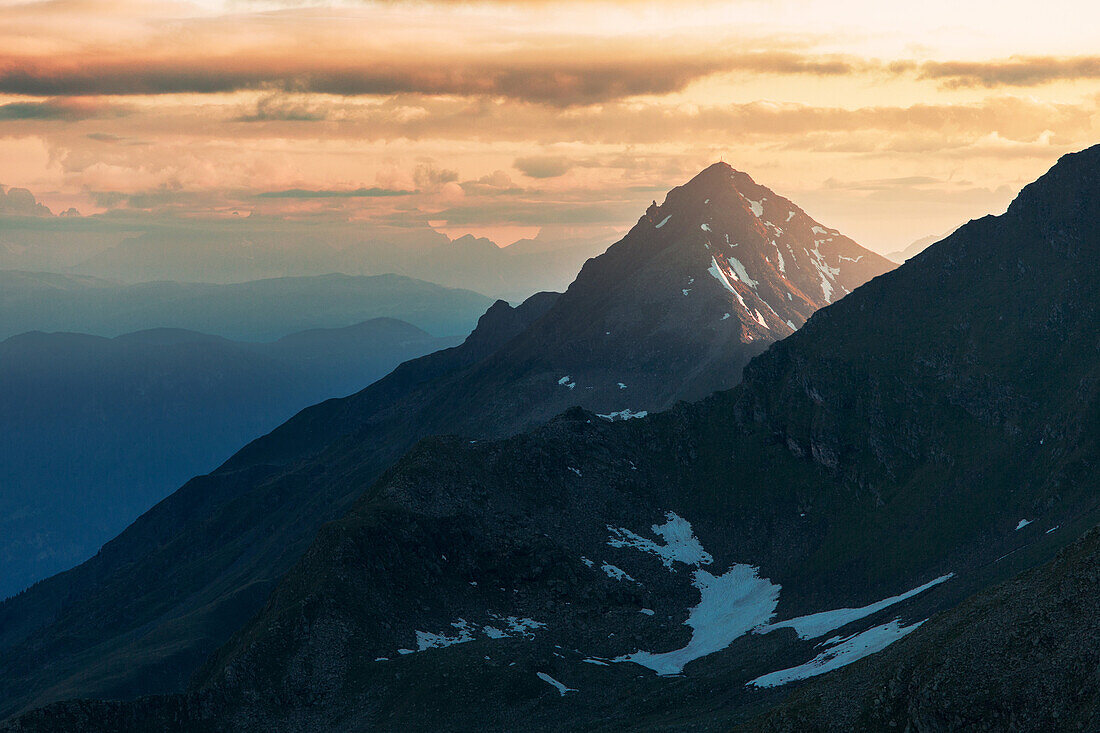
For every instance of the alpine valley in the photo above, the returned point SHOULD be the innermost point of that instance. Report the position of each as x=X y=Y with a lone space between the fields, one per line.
x=738 y=453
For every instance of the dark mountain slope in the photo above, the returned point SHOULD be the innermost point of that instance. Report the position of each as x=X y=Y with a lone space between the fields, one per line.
x=141 y=616
x=1020 y=656
x=94 y=431
x=871 y=469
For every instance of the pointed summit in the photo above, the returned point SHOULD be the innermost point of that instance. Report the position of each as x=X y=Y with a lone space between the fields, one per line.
x=701 y=284
x=776 y=264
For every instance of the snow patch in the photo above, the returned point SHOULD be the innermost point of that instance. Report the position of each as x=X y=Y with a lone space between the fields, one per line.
x=720 y=275
x=1023 y=523
x=562 y=689
x=616 y=573
x=626 y=414
x=622 y=386
x=742 y=273
x=760 y=318
x=514 y=626
x=664 y=221
x=843 y=653
x=730 y=605
x=740 y=601
x=725 y=316
x=819 y=624
x=427 y=640
x=757 y=206
x=680 y=544
x=705 y=227
x=827 y=273
x=790 y=215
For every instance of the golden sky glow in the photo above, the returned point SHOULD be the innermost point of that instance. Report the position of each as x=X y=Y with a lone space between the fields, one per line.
x=888 y=121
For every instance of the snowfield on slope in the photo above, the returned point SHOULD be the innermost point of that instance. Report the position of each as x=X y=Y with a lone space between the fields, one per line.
x=740 y=602
x=841 y=653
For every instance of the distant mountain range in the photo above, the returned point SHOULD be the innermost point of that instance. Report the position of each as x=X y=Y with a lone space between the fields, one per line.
x=139 y=248
x=917 y=247
x=673 y=311
x=260 y=310
x=94 y=431
x=914 y=445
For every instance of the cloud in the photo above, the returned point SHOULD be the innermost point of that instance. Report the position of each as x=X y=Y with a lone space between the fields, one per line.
x=300 y=193
x=430 y=178
x=561 y=76
x=276 y=108
x=1021 y=71
x=882 y=184
x=543 y=166
x=67 y=110
x=21 y=202
x=497 y=183
x=801 y=126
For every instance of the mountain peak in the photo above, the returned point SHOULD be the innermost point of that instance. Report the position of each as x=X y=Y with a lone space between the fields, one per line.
x=756 y=258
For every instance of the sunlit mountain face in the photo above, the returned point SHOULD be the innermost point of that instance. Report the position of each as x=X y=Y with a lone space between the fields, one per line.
x=504 y=119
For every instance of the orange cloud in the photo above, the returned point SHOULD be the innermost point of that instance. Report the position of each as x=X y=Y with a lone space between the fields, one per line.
x=1021 y=71
x=578 y=76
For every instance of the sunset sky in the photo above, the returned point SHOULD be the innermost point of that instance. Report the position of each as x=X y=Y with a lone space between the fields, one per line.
x=887 y=121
